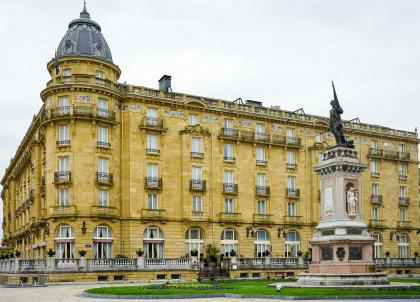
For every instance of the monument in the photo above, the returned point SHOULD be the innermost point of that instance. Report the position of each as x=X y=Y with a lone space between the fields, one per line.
x=342 y=247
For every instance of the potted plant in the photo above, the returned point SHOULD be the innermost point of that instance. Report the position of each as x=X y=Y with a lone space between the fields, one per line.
x=11 y=255
x=194 y=253
x=416 y=254
x=299 y=253
x=232 y=253
x=50 y=253
x=17 y=254
x=212 y=251
x=82 y=253
x=387 y=253
x=140 y=252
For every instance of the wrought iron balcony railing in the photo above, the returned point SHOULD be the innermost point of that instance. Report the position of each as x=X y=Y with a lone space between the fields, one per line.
x=104 y=144
x=82 y=112
x=376 y=199
x=104 y=178
x=228 y=158
x=375 y=174
x=153 y=183
x=404 y=201
x=63 y=142
x=105 y=114
x=262 y=190
x=230 y=188
x=292 y=193
x=153 y=123
x=197 y=154
x=389 y=154
x=197 y=185
x=62 y=177
x=152 y=151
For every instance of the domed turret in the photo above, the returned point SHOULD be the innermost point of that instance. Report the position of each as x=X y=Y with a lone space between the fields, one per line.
x=84 y=38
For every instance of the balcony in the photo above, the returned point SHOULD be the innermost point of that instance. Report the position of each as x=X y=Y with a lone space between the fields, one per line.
x=377 y=224
x=292 y=166
x=152 y=151
x=69 y=210
x=230 y=188
x=80 y=112
x=153 y=183
x=228 y=158
x=404 y=224
x=403 y=201
x=389 y=154
x=262 y=190
x=376 y=199
x=263 y=218
x=154 y=214
x=63 y=143
x=197 y=154
x=153 y=123
x=261 y=162
x=292 y=193
x=104 y=211
x=197 y=185
x=104 y=178
x=62 y=177
x=105 y=114
x=230 y=217
x=250 y=136
x=292 y=220
x=402 y=176
x=103 y=144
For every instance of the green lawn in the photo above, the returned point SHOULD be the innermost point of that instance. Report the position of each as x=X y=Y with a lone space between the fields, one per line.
x=406 y=280
x=254 y=287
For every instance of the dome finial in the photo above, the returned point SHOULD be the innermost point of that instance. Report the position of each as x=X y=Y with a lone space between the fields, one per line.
x=84 y=14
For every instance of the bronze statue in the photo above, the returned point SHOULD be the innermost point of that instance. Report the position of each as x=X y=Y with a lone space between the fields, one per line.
x=336 y=124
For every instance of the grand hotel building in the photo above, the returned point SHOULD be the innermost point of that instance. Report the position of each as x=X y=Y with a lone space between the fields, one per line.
x=111 y=168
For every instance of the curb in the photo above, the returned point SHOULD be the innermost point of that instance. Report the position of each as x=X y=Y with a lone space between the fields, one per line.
x=104 y=296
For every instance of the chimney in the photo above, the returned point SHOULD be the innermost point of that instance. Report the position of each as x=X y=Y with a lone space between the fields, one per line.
x=165 y=83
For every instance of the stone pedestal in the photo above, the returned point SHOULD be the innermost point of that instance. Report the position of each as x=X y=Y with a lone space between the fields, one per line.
x=83 y=263
x=342 y=246
x=140 y=262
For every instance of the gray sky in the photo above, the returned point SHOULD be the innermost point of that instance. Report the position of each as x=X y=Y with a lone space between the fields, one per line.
x=280 y=52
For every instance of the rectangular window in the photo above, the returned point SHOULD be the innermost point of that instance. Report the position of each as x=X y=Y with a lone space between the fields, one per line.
x=229 y=205
x=196 y=204
x=152 y=170
x=103 y=198
x=374 y=144
x=401 y=148
x=261 y=179
x=103 y=104
x=402 y=170
x=152 y=143
x=260 y=153
x=196 y=145
x=291 y=182
x=64 y=133
x=228 y=123
x=196 y=173
x=403 y=214
x=261 y=207
x=260 y=128
x=291 y=158
x=100 y=74
x=228 y=151
x=63 y=164
x=375 y=189
x=403 y=191
x=152 y=112
x=375 y=213
x=228 y=177
x=290 y=132
x=193 y=119
x=103 y=165
x=374 y=167
x=103 y=135
x=63 y=101
x=291 y=209
x=152 y=202
x=67 y=72
x=64 y=197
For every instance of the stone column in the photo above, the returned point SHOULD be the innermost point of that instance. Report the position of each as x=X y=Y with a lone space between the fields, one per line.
x=267 y=261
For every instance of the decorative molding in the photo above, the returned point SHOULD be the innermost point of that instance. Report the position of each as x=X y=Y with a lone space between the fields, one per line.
x=276 y=127
x=82 y=97
x=196 y=130
x=245 y=123
x=134 y=108
x=172 y=113
x=211 y=119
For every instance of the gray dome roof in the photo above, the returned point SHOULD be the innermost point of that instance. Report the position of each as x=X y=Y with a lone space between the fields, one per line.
x=84 y=38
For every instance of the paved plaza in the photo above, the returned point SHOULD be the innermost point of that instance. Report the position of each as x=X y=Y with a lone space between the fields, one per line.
x=72 y=293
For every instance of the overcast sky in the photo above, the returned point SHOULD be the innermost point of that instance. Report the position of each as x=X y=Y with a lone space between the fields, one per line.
x=279 y=52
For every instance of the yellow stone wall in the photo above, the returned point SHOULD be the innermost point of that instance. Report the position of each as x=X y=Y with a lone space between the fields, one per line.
x=128 y=160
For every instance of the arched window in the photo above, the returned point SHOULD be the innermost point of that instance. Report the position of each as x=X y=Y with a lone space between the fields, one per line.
x=153 y=242
x=102 y=242
x=292 y=244
x=64 y=242
x=404 y=246
x=377 y=245
x=194 y=240
x=262 y=245
x=229 y=241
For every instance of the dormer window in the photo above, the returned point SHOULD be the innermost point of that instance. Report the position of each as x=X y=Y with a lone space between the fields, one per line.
x=100 y=75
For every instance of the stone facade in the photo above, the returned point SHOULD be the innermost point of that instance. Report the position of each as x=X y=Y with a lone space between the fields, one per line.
x=84 y=98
